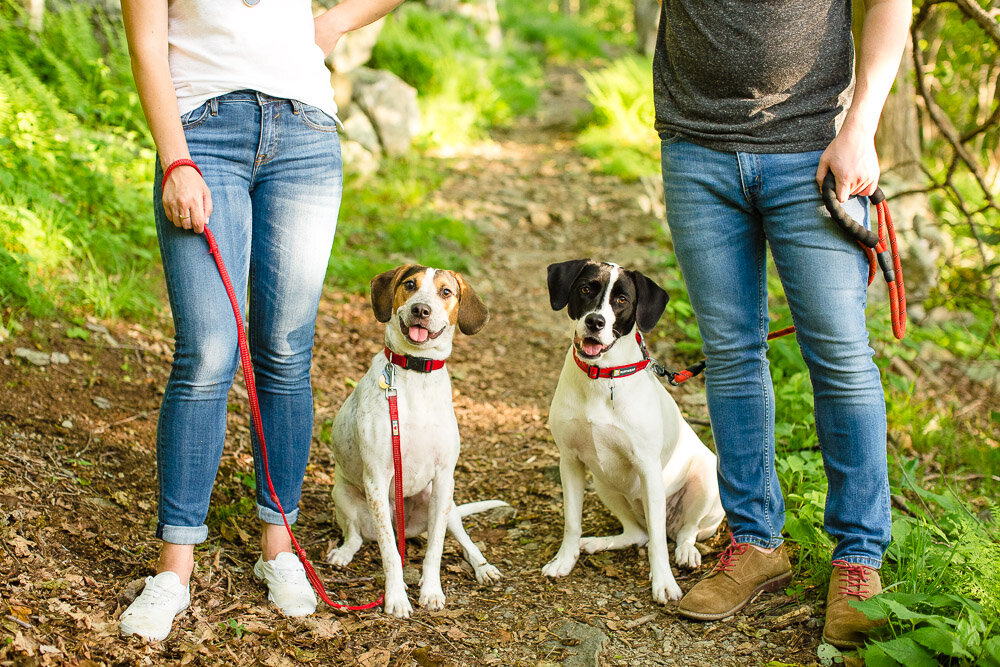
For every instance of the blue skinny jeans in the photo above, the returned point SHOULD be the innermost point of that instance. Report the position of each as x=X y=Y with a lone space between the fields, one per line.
x=274 y=169
x=723 y=211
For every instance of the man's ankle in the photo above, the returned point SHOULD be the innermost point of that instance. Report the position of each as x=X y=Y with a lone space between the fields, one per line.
x=764 y=549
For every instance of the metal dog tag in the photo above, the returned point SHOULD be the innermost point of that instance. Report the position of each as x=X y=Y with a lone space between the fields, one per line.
x=385 y=381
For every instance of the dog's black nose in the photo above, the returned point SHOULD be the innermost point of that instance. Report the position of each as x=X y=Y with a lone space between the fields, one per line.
x=594 y=322
x=421 y=310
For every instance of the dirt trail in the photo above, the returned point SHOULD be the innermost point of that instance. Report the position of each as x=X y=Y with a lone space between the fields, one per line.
x=77 y=483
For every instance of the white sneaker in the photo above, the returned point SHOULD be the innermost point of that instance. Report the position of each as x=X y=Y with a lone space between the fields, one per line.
x=287 y=584
x=152 y=613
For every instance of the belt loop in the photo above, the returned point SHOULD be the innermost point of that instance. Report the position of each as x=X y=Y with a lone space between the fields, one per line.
x=213 y=106
x=260 y=98
x=296 y=106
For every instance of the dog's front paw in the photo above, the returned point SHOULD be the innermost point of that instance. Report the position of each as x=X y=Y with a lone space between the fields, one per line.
x=398 y=605
x=687 y=555
x=666 y=590
x=560 y=566
x=487 y=574
x=432 y=598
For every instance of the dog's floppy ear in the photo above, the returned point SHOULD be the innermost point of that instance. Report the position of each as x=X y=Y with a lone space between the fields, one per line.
x=472 y=312
x=382 y=288
x=650 y=300
x=561 y=277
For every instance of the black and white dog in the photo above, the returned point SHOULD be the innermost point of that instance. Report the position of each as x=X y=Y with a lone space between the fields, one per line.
x=612 y=417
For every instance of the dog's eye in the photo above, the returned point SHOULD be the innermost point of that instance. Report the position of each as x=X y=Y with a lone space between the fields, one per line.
x=585 y=290
x=410 y=285
x=622 y=299
x=445 y=292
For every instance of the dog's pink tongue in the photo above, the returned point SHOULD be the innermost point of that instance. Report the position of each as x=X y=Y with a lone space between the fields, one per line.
x=418 y=334
x=591 y=348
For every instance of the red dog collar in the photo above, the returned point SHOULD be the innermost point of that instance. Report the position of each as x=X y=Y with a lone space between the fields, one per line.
x=418 y=364
x=594 y=372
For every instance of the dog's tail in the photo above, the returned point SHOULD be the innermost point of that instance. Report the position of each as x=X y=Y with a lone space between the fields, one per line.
x=481 y=506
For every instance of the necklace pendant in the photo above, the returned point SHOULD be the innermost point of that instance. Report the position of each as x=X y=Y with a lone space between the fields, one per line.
x=251 y=3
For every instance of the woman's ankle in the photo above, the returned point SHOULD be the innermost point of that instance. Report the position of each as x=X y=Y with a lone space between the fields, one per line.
x=274 y=540
x=177 y=558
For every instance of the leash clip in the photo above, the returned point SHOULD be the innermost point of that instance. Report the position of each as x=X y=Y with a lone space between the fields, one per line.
x=388 y=380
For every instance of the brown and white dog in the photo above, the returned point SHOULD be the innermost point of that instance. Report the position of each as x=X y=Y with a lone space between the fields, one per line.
x=421 y=307
x=616 y=420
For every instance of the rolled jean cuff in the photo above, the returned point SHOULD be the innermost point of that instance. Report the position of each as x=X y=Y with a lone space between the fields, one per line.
x=758 y=541
x=182 y=534
x=875 y=563
x=268 y=515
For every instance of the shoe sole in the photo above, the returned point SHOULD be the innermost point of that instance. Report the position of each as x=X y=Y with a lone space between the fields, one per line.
x=768 y=586
x=125 y=631
x=843 y=643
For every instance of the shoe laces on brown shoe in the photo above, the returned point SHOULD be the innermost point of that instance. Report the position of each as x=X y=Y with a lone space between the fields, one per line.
x=731 y=555
x=846 y=627
x=741 y=573
x=855 y=579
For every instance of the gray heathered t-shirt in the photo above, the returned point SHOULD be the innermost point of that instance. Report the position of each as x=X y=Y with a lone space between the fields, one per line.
x=764 y=76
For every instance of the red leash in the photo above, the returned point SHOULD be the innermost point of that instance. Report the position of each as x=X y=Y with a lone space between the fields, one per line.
x=397 y=461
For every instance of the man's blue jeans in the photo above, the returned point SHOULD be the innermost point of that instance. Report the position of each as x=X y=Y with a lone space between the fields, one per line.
x=275 y=173
x=723 y=209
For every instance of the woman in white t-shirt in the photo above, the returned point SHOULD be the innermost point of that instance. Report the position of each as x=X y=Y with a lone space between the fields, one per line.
x=239 y=103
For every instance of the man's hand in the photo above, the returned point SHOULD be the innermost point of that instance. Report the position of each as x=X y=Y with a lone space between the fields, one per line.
x=852 y=159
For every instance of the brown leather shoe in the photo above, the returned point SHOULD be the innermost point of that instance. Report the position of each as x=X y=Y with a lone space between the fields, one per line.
x=741 y=573
x=846 y=627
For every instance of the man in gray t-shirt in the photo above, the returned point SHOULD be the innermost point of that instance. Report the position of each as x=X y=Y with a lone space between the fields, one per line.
x=756 y=101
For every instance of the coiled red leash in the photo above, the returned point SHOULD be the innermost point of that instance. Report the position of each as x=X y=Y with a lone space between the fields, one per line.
x=248 y=378
x=880 y=244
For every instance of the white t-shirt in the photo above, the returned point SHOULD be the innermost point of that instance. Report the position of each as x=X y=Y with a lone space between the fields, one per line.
x=218 y=46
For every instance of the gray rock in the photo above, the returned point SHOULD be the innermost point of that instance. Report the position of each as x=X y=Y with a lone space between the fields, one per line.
x=67 y=423
x=355 y=48
x=411 y=575
x=32 y=356
x=391 y=105
x=584 y=643
x=59 y=358
x=359 y=129
x=102 y=403
x=358 y=159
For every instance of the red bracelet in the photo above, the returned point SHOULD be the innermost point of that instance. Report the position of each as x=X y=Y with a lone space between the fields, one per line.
x=183 y=162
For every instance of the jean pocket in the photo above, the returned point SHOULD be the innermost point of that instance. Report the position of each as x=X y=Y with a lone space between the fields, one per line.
x=195 y=117
x=317 y=119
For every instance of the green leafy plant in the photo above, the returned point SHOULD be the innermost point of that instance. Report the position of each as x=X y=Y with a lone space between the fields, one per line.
x=943 y=601
x=621 y=136
x=75 y=166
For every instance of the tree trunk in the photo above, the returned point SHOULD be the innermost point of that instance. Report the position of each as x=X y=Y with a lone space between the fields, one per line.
x=647 y=20
x=36 y=14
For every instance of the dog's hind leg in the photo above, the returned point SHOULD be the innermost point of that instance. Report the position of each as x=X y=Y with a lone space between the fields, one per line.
x=485 y=573
x=633 y=532
x=700 y=511
x=351 y=512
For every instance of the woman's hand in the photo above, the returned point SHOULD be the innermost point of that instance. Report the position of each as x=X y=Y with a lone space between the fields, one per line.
x=187 y=200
